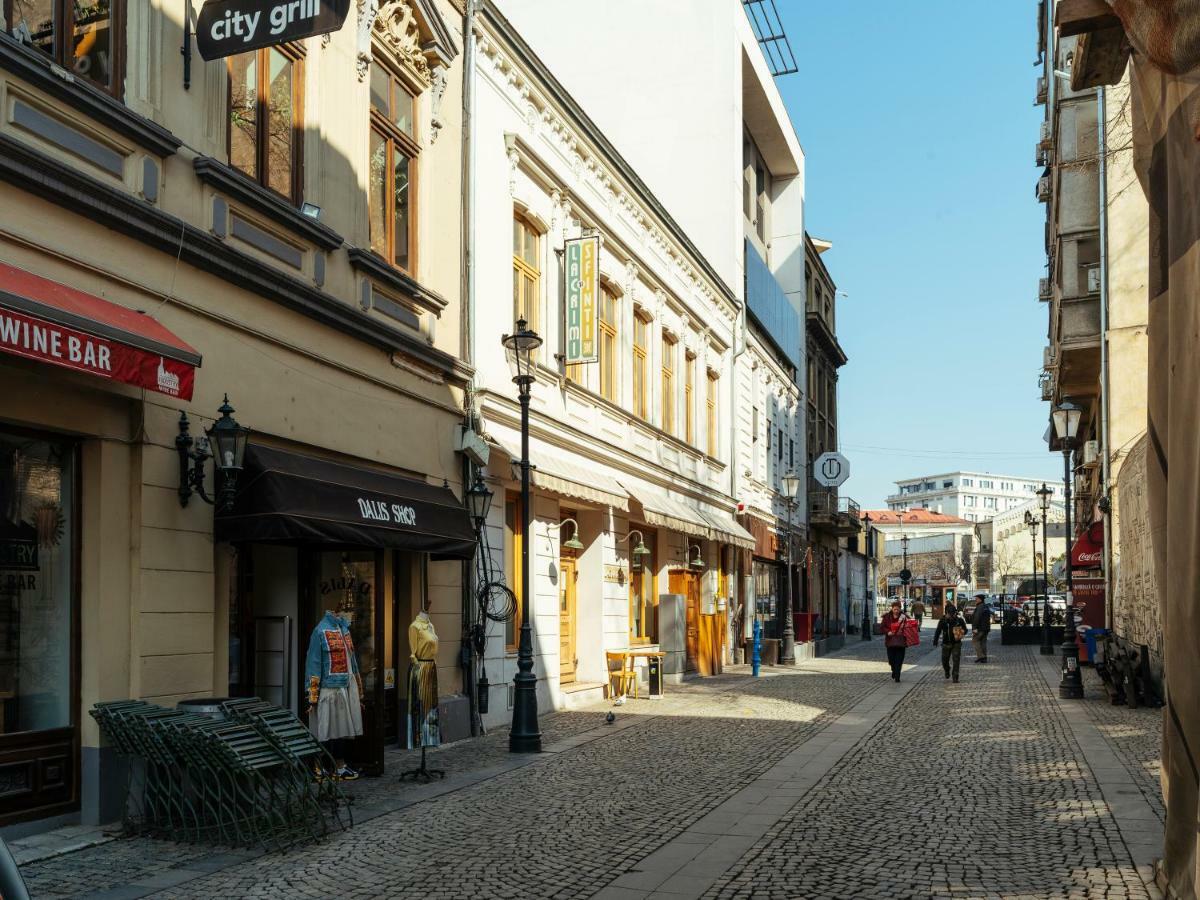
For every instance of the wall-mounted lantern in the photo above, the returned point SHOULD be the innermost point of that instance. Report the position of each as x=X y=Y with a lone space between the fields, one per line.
x=225 y=442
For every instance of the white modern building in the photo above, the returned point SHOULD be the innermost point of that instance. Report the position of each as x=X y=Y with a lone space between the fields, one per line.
x=974 y=496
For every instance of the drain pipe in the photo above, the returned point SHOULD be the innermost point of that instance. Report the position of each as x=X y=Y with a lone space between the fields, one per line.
x=1102 y=144
x=739 y=332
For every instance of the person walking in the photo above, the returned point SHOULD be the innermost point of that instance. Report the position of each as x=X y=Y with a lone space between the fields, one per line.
x=981 y=624
x=893 y=638
x=951 y=630
x=918 y=611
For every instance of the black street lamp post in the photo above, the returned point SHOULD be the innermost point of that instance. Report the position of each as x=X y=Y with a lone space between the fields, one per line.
x=1031 y=523
x=1047 y=648
x=787 y=649
x=1066 y=425
x=905 y=575
x=525 y=736
x=869 y=600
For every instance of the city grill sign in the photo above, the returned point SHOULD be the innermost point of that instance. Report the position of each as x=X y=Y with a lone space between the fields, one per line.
x=226 y=27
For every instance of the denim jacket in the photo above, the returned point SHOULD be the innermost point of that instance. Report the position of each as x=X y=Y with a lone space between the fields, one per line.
x=331 y=660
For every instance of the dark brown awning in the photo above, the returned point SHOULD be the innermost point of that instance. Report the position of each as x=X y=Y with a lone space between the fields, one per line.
x=285 y=497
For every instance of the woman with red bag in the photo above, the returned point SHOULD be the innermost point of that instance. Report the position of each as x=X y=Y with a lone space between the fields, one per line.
x=895 y=638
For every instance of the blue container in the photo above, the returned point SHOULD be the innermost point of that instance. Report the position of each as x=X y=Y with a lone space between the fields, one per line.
x=1091 y=638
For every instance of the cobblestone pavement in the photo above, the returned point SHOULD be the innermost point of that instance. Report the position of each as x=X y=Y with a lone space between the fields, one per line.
x=1135 y=736
x=1019 y=814
x=967 y=790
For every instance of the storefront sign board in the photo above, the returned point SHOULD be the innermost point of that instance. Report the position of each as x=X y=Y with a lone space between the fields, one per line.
x=582 y=259
x=226 y=27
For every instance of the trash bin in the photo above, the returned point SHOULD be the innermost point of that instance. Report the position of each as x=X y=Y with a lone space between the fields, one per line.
x=1091 y=637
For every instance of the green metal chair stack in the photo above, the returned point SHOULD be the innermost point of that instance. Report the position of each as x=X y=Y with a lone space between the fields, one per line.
x=249 y=780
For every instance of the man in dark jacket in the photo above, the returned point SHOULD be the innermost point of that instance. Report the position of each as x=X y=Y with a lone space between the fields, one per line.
x=981 y=624
x=951 y=630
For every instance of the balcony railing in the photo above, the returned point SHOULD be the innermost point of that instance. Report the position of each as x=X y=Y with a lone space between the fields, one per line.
x=827 y=509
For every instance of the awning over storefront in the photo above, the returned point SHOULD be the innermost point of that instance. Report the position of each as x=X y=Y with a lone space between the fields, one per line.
x=726 y=529
x=664 y=511
x=52 y=323
x=285 y=497
x=560 y=476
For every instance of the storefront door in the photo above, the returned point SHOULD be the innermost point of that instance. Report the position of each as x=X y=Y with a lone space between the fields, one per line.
x=349 y=584
x=39 y=627
x=566 y=619
x=685 y=583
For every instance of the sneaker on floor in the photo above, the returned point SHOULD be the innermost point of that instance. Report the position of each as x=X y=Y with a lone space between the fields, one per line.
x=345 y=773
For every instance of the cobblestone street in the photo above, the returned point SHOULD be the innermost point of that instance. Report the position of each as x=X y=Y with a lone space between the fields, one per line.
x=830 y=781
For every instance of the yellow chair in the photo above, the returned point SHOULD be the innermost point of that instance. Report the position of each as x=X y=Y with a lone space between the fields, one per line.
x=624 y=675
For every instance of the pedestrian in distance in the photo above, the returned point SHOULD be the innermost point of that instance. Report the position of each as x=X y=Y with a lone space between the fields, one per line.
x=951 y=630
x=981 y=624
x=918 y=611
x=893 y=638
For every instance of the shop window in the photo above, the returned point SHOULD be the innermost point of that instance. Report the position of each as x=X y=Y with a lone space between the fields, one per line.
x=265 y=122
x=643 y=595
x=512 y=566
x=668 y=383
x=527 y=273
x=711 y=411
x=37 y=593
x=689 y=398
x=641 y=337
x=392 y=188
x=85 y=38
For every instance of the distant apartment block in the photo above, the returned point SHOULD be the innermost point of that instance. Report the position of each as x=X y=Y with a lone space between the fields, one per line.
x=974 y=496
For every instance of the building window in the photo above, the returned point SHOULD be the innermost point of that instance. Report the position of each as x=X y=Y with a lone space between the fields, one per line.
x=689 y=398
x=947 y=484
x=643 y=597
x=711 y=411
x=608 y=345
x=393 y=168
x=87 y=39
x=641 y=334
x=968 y=482
x=668 y=383
x=527 y=273
x=265 y=121
x=791 y=453
x=512 y=566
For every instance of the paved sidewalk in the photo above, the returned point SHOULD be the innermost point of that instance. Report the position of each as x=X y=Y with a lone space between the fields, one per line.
x=825 y=782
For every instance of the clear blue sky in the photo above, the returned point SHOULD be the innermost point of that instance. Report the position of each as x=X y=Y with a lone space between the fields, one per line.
x=919 y=131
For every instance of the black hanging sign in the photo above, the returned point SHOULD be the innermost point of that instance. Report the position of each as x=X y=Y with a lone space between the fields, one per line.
x=226 y=27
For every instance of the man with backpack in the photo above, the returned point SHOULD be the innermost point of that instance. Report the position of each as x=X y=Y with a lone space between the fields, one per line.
x=951 y=630
x=981 y=624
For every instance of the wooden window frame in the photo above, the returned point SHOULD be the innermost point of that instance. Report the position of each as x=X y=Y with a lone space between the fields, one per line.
x=64 y=35
x=525 y=270
x=609 y=362
x=408 y=146
x=296 y=54
x=650 y=538
x=712 y=411
x=669 y=401
x=640 y=402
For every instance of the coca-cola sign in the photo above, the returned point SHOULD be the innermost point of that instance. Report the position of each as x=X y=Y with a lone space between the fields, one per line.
x=1088 y=549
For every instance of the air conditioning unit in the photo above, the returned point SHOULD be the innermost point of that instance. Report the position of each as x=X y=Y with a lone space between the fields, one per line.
x=1043 y=89
x=1042 y=157
x=1046 y=136
x=1045 y=289
x=1043 y=188
x=1047 y=382
x=1049 y=359
x=1093 y=280
x=1091 y=454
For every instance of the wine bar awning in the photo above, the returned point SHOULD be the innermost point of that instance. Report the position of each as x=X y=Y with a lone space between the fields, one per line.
x=49 y=322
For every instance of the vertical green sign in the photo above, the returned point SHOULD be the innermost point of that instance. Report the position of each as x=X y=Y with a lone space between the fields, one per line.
x=582 y=259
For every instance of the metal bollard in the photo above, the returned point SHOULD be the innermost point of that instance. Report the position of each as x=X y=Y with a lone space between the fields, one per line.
x=756 y=655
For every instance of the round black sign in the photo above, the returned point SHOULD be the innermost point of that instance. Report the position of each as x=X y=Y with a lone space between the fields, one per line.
x=905 y=576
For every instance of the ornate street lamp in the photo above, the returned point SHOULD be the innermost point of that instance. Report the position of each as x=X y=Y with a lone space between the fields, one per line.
x=787 y=650
x=869 y=600
x=1047 y=648
x=1031 y=523
x=525 y=736
x=225 y=442
x=1066 y=425
x=479 y=501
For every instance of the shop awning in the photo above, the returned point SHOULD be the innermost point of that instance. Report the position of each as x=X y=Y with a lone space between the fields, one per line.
x=285 y=497
x=726 y=529
x=664 y=511
x=52 y=323
x=561 y=476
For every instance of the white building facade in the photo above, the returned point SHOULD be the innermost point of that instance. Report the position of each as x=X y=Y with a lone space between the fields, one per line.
x=630 y=451
x=974 y=496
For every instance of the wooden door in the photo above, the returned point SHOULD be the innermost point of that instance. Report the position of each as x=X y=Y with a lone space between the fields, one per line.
x=684 y=582
x=566 y=620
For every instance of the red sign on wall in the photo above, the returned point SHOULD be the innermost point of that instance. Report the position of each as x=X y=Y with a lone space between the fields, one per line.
x=1088 y=550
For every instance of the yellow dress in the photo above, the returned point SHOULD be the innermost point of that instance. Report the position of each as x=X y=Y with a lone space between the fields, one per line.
x=423 y=729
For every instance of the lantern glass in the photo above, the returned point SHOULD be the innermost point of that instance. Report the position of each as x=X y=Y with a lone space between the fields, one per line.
x=521 y=346
x=791 y=485
x=479 y=500
x=1044 y=498
x=228 y=439
x=1066 y=420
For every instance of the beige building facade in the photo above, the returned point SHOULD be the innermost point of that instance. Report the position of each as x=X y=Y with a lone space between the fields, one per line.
x=165 y=193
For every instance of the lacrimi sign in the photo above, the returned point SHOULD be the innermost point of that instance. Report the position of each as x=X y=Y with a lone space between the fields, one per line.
x=227 y=27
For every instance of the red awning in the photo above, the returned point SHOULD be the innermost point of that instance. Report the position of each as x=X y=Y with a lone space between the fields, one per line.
x=1088 y=550
x=50 y=322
